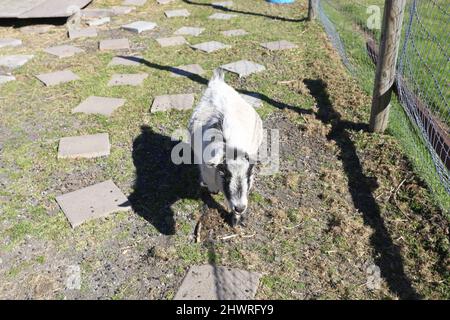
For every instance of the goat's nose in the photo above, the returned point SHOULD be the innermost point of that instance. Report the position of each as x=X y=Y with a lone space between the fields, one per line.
x=239 y=209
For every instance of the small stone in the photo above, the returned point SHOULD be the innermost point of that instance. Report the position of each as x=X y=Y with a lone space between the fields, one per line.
x=58 y=77
x=223 y=4
x=187 y=70
x=88 y=146
x=139 y=26
x=133 y=79
x=222 y=16
x=177 y=13
x=98 y=22
x=114 y=44
x=211 y=46
x=63 y=51
x=10 y=42
x=82 y=33
x=99 y=105
x=234 y=33
x=189 y=31
x=171 y=41
x=6 y=78
x=252 y=99
x=126 y=61
x=14 y=61
x=73 y=281
x=176 y=101
x=38 y=29
x=92 y=202
x=279 y=45
x=137 y=3
x=243 y=67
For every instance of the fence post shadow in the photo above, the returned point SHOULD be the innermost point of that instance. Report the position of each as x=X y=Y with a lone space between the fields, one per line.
x=387 y=255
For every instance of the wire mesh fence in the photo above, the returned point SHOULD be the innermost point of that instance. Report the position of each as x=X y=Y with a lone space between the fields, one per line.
x=422 y=79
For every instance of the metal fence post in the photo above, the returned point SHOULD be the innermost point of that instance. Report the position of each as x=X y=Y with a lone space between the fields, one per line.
x=387 y=63
x=312 y=9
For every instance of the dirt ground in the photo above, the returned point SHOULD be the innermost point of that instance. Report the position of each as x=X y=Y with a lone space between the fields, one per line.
x=344 y=218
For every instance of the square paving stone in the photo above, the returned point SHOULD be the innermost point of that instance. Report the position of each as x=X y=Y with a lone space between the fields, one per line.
x=177 y=13
x=131 y=79
x=96 y=201
x=120 y=10
x=176 y=101
x=234 y=33
x=243 y=67
x=171 y=41
x=223 y=4
x=63 y=51
x=98 y=21
x=10 y=42
x=37 y=29
x=139 y=26
x=58 y=77
x=99 y=105
x=6 y=78
x=210 y=282
x=210 y=46
x=189 y=31
x=14 y=61
x=97 y=13
x=89 y=146
x=114 y=44
x=187 y=70
x=126 y=61
x=252 y=99
x=83 y=33
x=279 y=45
x=137 y=3
x=222 y=16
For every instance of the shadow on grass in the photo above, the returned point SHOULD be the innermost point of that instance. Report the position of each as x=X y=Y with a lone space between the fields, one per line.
x=387 y=255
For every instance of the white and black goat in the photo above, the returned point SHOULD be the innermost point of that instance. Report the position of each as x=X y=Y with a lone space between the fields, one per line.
x=226 y=133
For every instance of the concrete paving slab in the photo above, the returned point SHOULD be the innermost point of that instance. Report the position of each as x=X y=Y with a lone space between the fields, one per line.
x=88 y=146
x=6 y=78
x=120 y=10
x=126 y=61
x=171 y=41
x=131 y=79
x=243 y=67
x=137 y=3
x=177 y=13
x=58 y=77
x=96 y=201
x=37 y=29
x=139 y=26
x=83 y=33
x=176 y=101
x=279 y=45
x=210 y=282
x=187 y=70
x=26 y=9
x=10 y=42
x=114 y=44
x=252 y=99
x=98 y=21
x=189 y=31
x=12 y=62
x=91 y=13
x=210 y=46
x=222 y=16
x=63 y=51
x=234 y=33
x=99 y=105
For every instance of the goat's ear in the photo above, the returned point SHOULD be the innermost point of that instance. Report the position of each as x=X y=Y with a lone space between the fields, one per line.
x=214 y=154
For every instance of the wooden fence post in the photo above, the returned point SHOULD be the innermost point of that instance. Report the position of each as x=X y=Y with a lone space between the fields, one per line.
x=312 y=10
x=387 y=63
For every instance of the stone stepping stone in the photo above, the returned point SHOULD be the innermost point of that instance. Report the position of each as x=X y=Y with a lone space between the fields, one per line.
x=171 y=41
x=177 y=13
x=114 y=44
x=138 y=3
x=187 y=70
x=222 y=16
x=14 y=61
x=6 y=78
x=139 y=26
x=120 y=10
x=96 y=201
x=175 y=101
x=164 y=1
x=88 y=146
x=97 y=12
x=243 y=67
x=223 y=4
x=126 y=61
x=10 y=42
x=83 y=33
x=211 y=46
x=130 y=79
x=210 y=282
x=98 y=21
x=99 y=105
x=37 y=29
x=279 y=45
x=234 y=33
x=63 y=51
x=58 y=77
x=189 y=31
x=252 y=99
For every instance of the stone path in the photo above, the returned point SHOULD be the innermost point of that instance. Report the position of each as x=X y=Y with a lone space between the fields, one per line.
x=171 y=41
x=131 y=79
x=99 y=105
x=57 y=77
x=89 y=146
x=169 y=102
x=210 y=46
x=187 y=70
x=177 y=13
x=279 y=45
x=234 y=33
x=10 y=42
x=14 y=61
x=98 y=21
x=243 y=68
x=189 y=31
x=139 y=26
x=64 y=51
x=222 y=16
x=83 y=33
x=125 y=61
x=114 y=44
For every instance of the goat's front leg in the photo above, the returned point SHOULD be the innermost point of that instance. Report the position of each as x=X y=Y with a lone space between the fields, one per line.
x=209 y=178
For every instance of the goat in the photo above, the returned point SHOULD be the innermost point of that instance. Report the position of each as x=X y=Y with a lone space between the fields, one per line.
x=226 y=133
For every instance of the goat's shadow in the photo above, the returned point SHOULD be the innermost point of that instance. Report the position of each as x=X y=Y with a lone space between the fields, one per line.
x=159 y=182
